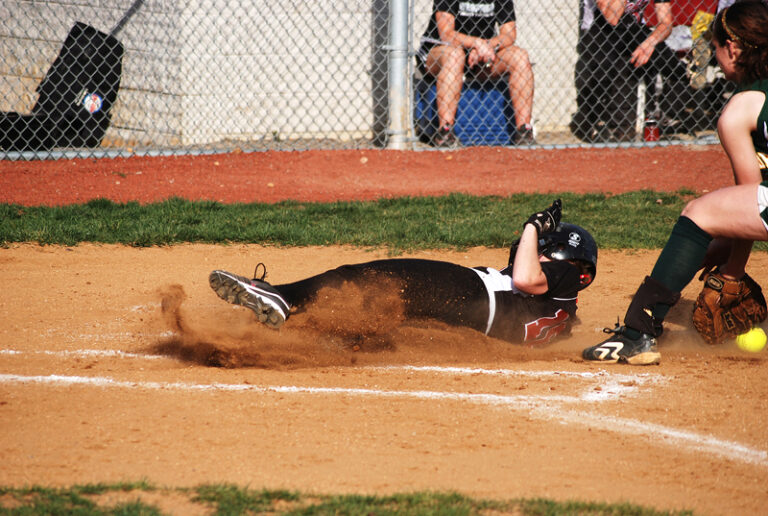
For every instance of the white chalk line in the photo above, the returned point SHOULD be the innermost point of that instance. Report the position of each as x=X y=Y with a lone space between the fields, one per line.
x=106 y=336
x=517 y=372
x=613 y=384
x=110 y=353
x=639 y=378
x=661 y=434
x=545 y=407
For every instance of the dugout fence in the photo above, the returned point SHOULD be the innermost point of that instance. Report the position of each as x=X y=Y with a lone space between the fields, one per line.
x=122 y=77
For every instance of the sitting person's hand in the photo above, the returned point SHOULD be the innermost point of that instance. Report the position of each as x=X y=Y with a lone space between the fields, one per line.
x=484 y=52
x=642 y=53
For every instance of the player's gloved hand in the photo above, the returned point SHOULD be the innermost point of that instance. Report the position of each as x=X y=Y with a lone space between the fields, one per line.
x=547 y=220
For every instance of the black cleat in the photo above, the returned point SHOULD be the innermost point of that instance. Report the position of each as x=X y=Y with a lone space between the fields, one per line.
x=620 y=348
x=445 y=138
x=525 y=135
x=258 y=295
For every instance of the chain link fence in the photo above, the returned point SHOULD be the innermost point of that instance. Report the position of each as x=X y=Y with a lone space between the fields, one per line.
x=116 y=78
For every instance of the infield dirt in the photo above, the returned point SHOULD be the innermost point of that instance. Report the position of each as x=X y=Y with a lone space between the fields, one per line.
x=100 y=384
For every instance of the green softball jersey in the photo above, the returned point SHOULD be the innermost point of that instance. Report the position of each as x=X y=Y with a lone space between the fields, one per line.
x=760 y=135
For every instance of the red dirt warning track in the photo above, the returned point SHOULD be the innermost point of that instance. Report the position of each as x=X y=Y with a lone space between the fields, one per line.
x=363 y=174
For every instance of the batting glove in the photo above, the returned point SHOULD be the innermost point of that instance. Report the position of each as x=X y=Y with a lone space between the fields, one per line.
x=547 y=220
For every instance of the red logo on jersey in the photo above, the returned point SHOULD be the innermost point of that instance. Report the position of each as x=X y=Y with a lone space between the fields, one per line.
x=544 y=329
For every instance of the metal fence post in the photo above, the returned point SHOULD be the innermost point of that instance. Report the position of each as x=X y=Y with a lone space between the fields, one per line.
x=398 y=66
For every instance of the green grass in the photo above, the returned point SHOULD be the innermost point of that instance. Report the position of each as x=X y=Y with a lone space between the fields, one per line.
x=637 y=220
x=226 y=499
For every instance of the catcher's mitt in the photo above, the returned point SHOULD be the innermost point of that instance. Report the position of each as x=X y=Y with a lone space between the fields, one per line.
x=727 y=308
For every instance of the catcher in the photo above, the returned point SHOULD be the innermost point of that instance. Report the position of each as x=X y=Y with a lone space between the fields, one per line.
x=531 y=300
x=715 y=231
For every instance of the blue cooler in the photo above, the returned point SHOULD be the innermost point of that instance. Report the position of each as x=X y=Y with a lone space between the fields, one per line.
x=485 y=115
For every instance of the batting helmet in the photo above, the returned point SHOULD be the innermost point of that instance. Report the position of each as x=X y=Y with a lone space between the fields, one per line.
x=572 y=243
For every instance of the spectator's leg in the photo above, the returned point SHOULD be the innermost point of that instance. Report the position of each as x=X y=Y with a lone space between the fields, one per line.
x=677 y=101
x=590 y=85
x=581 y=121
x=446 y=64
x=514 y=62
x=622 y=101
x=665 y=61
x=602 y=50
x=606 y=49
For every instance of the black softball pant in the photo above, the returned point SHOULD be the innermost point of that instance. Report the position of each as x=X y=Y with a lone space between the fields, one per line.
x=429 y=289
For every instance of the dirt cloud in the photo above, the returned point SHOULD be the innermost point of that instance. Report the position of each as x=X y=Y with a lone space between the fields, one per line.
x=351 y=325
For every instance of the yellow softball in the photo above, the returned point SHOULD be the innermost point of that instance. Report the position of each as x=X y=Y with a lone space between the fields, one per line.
x=752 y=340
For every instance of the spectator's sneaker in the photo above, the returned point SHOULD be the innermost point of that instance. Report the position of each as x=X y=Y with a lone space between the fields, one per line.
x=525 y=135
x=620 y=348
x=258 y=295
x=624 y=133
x=445 y=138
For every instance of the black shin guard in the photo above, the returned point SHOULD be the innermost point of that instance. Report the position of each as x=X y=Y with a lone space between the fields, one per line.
x=640 y=312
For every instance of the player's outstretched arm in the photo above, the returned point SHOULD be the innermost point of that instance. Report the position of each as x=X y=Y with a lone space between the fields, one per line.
x=526 y=271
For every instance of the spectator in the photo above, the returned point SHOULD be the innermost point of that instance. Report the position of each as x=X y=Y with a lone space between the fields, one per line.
x=463 y=35
x=617 y=50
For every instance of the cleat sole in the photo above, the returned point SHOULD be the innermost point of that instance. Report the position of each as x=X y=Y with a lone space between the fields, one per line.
x=230 y=290
x=648 y=358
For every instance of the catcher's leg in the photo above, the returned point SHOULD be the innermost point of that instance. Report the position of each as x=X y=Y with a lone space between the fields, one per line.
x=682 y=255
x=732 y=212
x=643 y=314
x=735 y=265
x=635 y=343
x=678 y=263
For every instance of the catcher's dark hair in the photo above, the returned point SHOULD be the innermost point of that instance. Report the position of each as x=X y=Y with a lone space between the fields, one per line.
x=745 y=23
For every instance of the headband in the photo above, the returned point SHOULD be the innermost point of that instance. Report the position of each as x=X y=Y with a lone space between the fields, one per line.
x=733 y=35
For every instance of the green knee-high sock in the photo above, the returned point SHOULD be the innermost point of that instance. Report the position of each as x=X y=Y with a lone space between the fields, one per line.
x=680 y=259
x=676 y=266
